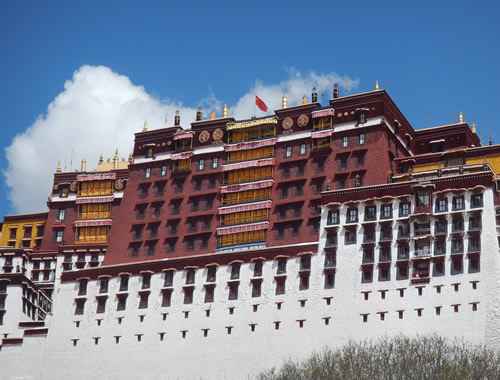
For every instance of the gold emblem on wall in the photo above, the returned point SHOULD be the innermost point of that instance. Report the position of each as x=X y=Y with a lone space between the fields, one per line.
x=302 y=120
x=203 y=137
x=287 y=123
x=217 y=136
x=119 y=184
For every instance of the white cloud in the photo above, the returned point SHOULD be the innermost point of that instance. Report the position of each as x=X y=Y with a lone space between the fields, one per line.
x=100 y=110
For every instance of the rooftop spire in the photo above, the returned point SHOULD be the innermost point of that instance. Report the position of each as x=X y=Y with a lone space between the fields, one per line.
x=460 y=117
x=304 y=100
x=314 y=95
x=284 y=101
x=224 y=111
x=376 y=85
x=212 y=115
x=101 y=160
x=145 y=126
x=115 y=159
x=177 y=119
x=58 y=170
x=474 y=128
x=84 y=165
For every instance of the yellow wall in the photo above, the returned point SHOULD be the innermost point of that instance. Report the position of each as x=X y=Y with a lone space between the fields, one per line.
x=493 y=160
x=423 y=168
x=19 y=240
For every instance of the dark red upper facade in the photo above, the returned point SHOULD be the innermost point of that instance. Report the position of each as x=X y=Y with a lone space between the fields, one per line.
x=166 y=212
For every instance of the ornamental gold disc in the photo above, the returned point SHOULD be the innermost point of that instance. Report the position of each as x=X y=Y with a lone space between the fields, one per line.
x=203 y=137
x=302 y=120
x=217 y=135
x=287 y=123
x=119 y=184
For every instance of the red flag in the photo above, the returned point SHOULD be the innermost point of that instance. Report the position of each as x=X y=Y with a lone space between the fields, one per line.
x=260 y=103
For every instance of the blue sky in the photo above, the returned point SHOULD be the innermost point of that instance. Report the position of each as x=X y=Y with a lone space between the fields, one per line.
x=434 y=58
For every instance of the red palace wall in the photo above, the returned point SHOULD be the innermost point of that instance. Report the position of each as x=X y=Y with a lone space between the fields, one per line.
x=295 y=195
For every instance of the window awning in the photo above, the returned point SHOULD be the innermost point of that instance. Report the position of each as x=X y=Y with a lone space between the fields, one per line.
x=105 y=199
x=93 y=222
x=243 y=228
x=247 y=186
x=95 y=177
x=252 y=123
x=322 y=113
x=245 y=207
x=321 y=134
x=249 y=145
x=182 y=156
x=249 y=164
x=184 y=135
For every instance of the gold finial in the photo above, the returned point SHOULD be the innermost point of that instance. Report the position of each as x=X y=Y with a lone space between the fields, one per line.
x=474 y=128
x=145 y=126
x=460 y=117
x=101 y=159
x=224 y=111
x=58 y=170
x=304 y=100
x=212 y=115
x=376 y=85
x=84 y=165
x=284 y=101
x=115 y=160
x=130 y=157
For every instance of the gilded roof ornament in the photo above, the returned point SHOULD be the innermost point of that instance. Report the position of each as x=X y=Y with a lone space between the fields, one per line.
x=304 y=100
x=84 y=165
x=474 y=128
x=460 y=117
x=145 y=126
x=224 y=111
x=212 y=115
x=101 y=160
x=376 y=85
x=116 y=159
x=284 y=101
x=58 y=170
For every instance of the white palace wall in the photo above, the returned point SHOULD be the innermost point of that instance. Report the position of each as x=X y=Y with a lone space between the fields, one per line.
x=170 y=343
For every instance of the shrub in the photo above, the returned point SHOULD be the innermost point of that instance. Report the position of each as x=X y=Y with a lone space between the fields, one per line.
x=401 y=357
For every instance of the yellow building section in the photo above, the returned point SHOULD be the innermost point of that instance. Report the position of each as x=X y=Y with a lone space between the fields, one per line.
x=95 y=188
x=242 y=237
x=322 y=143
x=423 y=168
x=244 y=217
x=253 y=133
x=322 y=122
x=92 y=234
x=251 y=154
x=493 y=160
x=182 y=145
x=182 y=165
x=94 y=211
x=246 y=175
x=246 y=196
x=19 y=233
